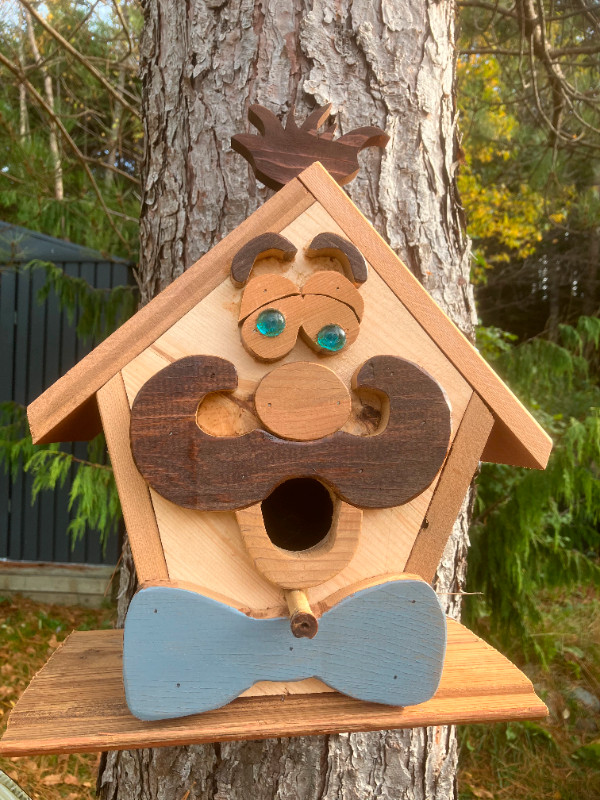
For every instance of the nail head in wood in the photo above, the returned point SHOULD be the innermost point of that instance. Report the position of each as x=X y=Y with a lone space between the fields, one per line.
x=333 y=284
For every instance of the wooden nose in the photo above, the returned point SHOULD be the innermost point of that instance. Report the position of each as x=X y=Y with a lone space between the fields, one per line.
x=302 y=401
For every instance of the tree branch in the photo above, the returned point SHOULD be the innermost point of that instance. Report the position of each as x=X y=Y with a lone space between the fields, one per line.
x=78 y=154
x=505 y=12
x=82 y=60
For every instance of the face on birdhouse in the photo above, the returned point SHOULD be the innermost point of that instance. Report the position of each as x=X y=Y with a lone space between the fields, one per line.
x=300 y=479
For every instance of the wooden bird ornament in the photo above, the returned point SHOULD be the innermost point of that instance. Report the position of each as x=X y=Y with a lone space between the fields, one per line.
x=279 y=154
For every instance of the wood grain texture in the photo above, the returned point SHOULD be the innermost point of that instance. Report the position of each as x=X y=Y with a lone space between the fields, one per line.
x=66 y=410
x=524 y=442
x=262 y=290
x=333 y=284
x=266 y=348
x=138 y=512
x=185 y=653
x=336 y=246
x=206 y=548
x=265 y=245
x=207 y=473
x=304 y=568
x=305 y=314
x=279 y=154
x=76 y=703
x=302 y=401
x=452 y=486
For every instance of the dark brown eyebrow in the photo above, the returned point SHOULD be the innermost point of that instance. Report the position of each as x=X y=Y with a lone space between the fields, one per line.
x=349 y=256
x=263 y=246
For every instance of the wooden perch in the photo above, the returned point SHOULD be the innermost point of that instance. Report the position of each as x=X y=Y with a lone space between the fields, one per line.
x=303 y=622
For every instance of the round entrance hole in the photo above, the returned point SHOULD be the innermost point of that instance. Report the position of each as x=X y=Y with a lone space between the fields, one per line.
x=298 y=514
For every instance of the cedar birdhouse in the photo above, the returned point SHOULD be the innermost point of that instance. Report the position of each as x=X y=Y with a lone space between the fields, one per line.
x=293 y=425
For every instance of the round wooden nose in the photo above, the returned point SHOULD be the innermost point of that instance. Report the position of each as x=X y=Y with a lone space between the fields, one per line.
x=302 y=401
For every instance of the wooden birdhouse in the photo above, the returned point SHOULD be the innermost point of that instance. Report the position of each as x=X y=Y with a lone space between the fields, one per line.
x=293 y=425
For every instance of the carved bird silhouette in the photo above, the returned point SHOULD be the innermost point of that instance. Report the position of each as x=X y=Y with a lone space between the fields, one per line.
x=277 y=153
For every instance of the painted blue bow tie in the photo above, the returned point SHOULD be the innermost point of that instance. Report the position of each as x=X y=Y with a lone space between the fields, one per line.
x=185 y=653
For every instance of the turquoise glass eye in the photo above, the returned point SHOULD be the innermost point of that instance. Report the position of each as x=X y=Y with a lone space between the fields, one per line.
x=332 y=338
x=270 y=322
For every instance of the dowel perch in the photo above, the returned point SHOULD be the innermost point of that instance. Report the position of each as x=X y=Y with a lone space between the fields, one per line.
x=303 y=622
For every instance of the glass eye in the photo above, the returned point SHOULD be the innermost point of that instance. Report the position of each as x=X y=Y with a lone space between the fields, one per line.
x=332 y=338
x=270 y=322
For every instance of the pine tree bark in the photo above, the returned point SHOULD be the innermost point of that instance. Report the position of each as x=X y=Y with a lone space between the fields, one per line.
x=383 y=62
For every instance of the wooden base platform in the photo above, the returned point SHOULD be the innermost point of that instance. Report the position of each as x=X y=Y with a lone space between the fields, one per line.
x=76 y=703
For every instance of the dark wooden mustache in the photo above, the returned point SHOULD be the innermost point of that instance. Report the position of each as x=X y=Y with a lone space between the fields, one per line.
x=211 y=473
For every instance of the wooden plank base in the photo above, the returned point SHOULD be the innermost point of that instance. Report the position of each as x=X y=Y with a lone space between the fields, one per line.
x=76 y=703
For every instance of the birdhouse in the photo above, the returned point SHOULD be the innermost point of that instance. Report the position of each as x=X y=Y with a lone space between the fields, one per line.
x=293 y=425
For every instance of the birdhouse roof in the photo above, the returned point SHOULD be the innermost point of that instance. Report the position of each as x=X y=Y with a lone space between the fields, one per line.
x=68 y=410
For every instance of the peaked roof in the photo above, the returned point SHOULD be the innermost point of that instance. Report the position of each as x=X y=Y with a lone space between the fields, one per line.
x=67 y=410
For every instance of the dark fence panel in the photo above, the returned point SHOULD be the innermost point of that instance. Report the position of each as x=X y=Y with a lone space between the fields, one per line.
x=38 y=344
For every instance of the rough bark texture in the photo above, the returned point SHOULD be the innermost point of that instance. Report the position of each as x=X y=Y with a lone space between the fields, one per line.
x=388 y=63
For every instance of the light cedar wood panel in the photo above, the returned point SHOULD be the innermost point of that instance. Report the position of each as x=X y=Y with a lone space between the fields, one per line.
x=457 y=473
x=301 y=570
x=76 y=703
x=516 y=438
x=207 y=548
x=138 y=512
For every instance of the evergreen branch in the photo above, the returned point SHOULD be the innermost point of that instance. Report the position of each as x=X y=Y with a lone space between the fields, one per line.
x=93 y=496
x=481 y=518
x=495 y=8
x=74 y=459
x=540 y=528
x=98 y=162
x=100 y=310
x=77 y=152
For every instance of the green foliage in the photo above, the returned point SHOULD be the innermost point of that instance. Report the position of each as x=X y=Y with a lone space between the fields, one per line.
x=100 y=311
x=93 y=494
x=556 y=757
x=540 y=528
x=99 y=149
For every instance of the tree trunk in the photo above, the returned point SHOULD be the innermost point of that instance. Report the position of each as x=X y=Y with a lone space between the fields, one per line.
x=380 y=63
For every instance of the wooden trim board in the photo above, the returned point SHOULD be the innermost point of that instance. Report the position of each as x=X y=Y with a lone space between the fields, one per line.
x=138 y=511
x=524 y=442
x=62 y=412
x=76 y=703
x=447 y=498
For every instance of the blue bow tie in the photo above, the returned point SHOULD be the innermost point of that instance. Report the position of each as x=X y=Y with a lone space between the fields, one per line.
x=185 y=653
